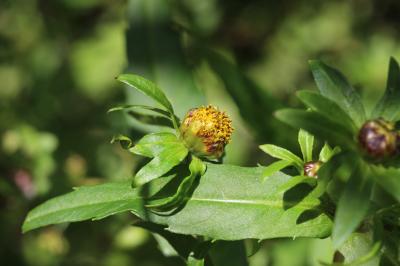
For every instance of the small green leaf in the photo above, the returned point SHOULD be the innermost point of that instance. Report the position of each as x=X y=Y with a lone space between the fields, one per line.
x=192 y=261
x=148 y=88
x=388 y=105
x=151 y=119
x=283 y=154
x=275 y=167
x=306 y=141
x=197 y=168
x=317 y=125
x=151 y=145
x=353 y=204
x=294 y=181
x=168 y=157
x=333 y=85
x=327 y=108
x=327 y=152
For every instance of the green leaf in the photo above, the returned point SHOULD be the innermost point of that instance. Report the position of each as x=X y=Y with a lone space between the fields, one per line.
x=153 y=144
x=91 y=202
x=327 y=108
x=197 y=168
x=135 y=106
x=333 y=85
x=283 y=154
x=220 y=207
x=164 y=161
x=353 y=204
x=388 y=179
x=317 y=125
x=192 y=261
x=306 y=141
x=151 y=119
x=294 y=181
x=232 y=253
x=275 y=167
x=148 y=88
x=388 y=105
x=327 y=152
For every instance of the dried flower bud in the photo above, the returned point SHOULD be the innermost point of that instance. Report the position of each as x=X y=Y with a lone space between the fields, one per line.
x=311 y=168
x=205 y=131
x=378 y=138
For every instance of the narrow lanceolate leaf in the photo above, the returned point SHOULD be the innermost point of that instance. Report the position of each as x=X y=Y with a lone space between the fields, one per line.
x=127 y=107
x=169 y=157
x=275 y=167
x=327 y=152
x=85 y=203
x=148 y=88
x=327 y=108
x=306 y=141
x=232 y=203
x=388 y=179
x=353 y=205
x=197 y=168
x=220 y=207
x=317 y=125
x=283 y=154
x=388 y=105
x=333 y=85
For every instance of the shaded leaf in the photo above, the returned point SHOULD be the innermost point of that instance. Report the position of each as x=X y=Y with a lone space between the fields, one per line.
x=306 y=141
x=388 y=105
x=317 y=125
x=283 y=154
x=353 y=204
x=333 y=85
x=197 y=168
x=148 y=88
x=327 y=108
x=232 y=253
x=388 y=179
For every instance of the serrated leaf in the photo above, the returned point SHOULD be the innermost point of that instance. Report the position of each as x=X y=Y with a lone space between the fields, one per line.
x=283 y=154
x=148 y=88
x=306 y=142
x=221 y=207
x=90 y=202
x=327 y=108
x=317 y=125
x=164 y=161
x=353 y=204
x=333 y=85
x=197 y=168
x=388 y=105
x=275 y=167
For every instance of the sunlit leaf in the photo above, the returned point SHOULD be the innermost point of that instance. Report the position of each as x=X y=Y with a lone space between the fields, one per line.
x=306 y=142
x=283 y=154
x=275 y=167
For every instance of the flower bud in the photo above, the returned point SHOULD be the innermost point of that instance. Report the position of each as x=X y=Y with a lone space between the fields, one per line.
x=205 y=131
x=378 y=138
x=311 y=168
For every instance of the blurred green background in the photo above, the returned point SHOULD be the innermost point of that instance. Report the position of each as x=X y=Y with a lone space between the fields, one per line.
x=58 y=61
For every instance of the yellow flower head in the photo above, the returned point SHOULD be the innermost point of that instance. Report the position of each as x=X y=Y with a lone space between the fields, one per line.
x=206 y=131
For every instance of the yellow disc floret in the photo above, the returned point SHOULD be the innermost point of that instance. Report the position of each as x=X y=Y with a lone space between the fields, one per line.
x=206 y=131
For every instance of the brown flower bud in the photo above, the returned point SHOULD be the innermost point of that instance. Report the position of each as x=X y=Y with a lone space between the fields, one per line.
x=205 y=131
x=311 y=168
x=378 y=138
